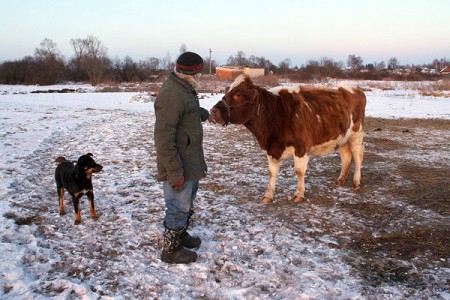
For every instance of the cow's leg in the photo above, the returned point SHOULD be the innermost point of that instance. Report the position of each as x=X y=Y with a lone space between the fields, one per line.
x=357 y=148
x=300 y=166
x=274 y=166
x=346 y=159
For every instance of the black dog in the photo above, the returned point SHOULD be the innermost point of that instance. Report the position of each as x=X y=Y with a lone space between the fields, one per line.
x=77 y=180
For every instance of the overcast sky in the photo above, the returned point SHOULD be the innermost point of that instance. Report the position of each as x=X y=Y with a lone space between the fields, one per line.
x=413 y=31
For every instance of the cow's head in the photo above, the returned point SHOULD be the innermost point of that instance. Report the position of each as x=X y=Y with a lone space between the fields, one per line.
x=239 y=103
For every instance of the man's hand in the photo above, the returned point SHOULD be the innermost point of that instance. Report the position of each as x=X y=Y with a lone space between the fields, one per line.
x=211 y=119
x=178 y=186
x=176 y=179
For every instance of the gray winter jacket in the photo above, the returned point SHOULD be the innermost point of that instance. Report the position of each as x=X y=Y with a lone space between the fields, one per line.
x=178 y=131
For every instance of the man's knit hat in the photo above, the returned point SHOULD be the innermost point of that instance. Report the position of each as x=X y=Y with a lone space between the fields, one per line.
x=189 y=63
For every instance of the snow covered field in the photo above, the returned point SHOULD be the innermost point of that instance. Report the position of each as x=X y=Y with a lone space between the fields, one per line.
x=245 y=254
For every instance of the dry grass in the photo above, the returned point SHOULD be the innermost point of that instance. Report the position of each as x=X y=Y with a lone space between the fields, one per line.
x=211 y=84
x=382 y=85
x=439 y=88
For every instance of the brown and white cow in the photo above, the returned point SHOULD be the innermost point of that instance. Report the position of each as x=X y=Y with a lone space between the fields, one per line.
x=298 y=122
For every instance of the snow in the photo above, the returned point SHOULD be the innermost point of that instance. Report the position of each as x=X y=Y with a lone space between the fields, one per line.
x=244 y=255
x=406 y=104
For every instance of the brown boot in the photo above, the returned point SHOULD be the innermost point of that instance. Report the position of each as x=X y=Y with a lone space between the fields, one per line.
x=173 y=251
x=190 y=241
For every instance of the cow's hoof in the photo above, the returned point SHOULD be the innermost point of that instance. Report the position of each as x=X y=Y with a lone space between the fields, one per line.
x=267 y=200
x=297 y=199
x=62 y=213
x=94 y=217
x=356 y=187
x=340 y=183
x=77 y=222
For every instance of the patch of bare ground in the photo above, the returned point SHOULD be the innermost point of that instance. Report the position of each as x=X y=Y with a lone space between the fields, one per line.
x=395 y=230
x=403 y=205
x=406 y=230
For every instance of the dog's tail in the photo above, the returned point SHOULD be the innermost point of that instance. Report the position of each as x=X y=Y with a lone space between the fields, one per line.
x=60 y=159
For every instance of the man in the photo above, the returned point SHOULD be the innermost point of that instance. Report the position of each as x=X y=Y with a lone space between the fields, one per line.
x=180 y=160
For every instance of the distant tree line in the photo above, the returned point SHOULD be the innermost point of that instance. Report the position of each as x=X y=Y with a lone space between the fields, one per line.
x=90 y=63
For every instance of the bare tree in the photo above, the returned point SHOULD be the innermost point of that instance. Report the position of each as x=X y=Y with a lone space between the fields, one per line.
x=240 y=58
x=380 y=66
x=91 y=57
x=154 y=63
x=76 y=62
x=326 y=67
x=129 y=70
x=49 y=63
x=285 y=65
x=231 y=61
x=208 y=61
x=329 y=67
x=47 y=51
x=354 y=62
x=150 y=67
x=393 y=63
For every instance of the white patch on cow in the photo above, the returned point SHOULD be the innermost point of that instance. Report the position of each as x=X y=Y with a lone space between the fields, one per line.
x=240 y=79
x=274 y=166
x=288 y=152
x=306 y=103
x=276 y=90
x=300 y=165
x=349 y=88
x=331 y=146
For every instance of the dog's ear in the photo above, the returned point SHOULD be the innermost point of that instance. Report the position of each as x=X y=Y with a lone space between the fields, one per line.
x=89 y=154
x=81 y=160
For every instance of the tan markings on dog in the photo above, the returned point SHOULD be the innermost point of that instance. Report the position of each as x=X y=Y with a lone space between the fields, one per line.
x=92 y=210
x=61 y=201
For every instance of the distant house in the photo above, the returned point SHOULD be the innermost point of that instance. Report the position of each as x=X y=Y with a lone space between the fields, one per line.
x=231 y=72
x=445 y=71
x=428 y=71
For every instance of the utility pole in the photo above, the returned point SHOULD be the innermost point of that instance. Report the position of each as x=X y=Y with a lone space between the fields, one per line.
x=210 y=61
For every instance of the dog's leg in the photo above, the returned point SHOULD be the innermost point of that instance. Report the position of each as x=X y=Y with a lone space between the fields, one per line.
x=90 y=196
x=61 y=200
x=76 y=206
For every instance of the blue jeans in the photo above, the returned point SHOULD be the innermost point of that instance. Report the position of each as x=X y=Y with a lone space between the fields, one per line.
x=179 y=204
